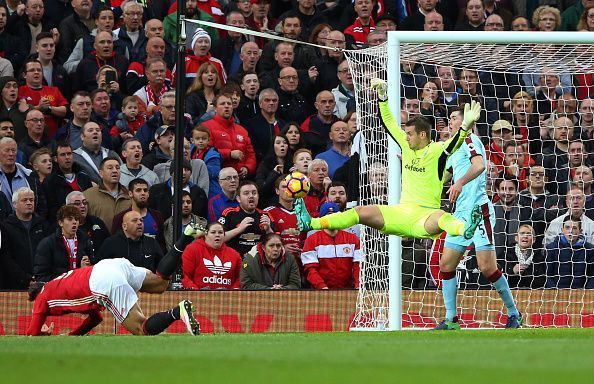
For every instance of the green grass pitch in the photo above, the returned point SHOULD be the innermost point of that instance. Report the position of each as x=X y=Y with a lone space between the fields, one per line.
x=485 y=356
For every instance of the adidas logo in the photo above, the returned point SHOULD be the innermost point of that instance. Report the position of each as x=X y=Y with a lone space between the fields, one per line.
x=216 y=280
x=216 y=266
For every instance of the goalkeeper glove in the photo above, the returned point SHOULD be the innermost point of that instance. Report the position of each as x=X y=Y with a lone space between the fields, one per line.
x=472 y=112
x=381 y=87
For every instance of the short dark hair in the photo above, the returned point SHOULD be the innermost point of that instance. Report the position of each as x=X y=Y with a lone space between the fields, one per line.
x=129 y=140
x=61 y=144
x=79 y=93
x=290 y=15
x=97 y=91
x=568 y=218
x=134 y=182
x=421 y=124
x=337 y=184
x=243 y=183
x=6 y=119
x=279 y=180
x=35 y=287
x=514 y=181
x=106 y=159
x=67 y=211
x=44 y=35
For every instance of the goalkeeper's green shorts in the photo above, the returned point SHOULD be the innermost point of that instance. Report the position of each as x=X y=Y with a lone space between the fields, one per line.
x=406 y=220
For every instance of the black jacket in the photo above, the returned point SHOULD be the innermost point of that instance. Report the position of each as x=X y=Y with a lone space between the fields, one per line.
x=71 y=29
x=161 y=199
x=56 y=188
x=13 y=50
x=96 y=231
x=136 y=52
x=17 y=254
x=293 y=107
x=144 y=252
x=261 y=133
x=51 y=259
x=86 y=72
x=154 y=157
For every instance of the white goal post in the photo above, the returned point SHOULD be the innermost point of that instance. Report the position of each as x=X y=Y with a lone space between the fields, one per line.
x=381 y=303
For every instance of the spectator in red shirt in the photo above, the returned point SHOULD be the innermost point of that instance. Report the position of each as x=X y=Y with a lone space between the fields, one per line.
x=208 y=263
x=331 y=257
x=231 y=139
x=357 y=32
x=317 y=171
x=517 y=163
x=501 y=133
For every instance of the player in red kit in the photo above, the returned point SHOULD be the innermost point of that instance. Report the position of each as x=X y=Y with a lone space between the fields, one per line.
x=112 y=284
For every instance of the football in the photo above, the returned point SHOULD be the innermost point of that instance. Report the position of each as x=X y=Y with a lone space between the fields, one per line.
x=297 y=185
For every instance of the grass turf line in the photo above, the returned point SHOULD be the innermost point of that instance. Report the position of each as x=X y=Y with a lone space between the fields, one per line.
x=525 y=356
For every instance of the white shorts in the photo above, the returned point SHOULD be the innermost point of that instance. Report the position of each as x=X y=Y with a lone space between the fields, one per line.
x=115 y=282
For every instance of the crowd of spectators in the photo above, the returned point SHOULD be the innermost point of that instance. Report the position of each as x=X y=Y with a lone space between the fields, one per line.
x=88 y=117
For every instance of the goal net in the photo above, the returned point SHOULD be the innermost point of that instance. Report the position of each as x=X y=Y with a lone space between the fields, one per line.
x=537 y=127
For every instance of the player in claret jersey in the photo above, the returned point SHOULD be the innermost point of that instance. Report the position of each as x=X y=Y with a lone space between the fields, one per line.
x=418 y=214
x=468 y=168
x=112 y=284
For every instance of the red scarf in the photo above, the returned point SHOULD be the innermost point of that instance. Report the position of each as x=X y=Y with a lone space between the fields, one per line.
x=72 y=252
x=150 y=94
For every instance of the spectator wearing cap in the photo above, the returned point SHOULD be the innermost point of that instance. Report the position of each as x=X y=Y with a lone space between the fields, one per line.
x=385 y=23
x=13 y=107
x=331 y=257
x=90 y=155
x=356 y=33
x=501 y=133
x=161 y=152
x=231 y=139
x=201 y=44
x=161 y=195
x=109 y=197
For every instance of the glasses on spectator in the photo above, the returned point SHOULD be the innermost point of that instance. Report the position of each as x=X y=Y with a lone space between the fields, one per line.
x=497 y=25
x=134 y=14
x=591 y=15
x=290 y=78
x=343 y=70
x=229 y=178
x=36 y=120
x=537 y=174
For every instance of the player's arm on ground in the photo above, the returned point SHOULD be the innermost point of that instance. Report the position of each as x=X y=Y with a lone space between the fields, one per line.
x=381 y=88
x=472 y=112
x=93 y=320
x=37 y=322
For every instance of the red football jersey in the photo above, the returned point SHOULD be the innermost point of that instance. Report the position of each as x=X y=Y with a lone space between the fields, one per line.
x=285 y=223
x=67 y=293
x=56 y=99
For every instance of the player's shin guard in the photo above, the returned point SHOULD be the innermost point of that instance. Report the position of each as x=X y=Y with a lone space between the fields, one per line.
x=502 y=287
x=168 y=264
x=340 y=220
x=450 y=224
x=449 y=288
x=160 y=321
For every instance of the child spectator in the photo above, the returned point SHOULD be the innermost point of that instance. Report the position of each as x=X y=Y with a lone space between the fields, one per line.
x=201 y=149
x=129 y=120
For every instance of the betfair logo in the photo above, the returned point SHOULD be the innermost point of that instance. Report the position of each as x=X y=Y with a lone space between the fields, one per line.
x=413 y=167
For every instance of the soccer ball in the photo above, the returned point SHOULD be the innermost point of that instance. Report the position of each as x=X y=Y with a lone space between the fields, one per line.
x=297 y=185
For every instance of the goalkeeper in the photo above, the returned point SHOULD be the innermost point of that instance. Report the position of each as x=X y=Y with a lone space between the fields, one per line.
x=423 y=169
x=468 y=167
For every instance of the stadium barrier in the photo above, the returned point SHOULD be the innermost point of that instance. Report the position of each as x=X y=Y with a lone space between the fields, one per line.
x=318 y=311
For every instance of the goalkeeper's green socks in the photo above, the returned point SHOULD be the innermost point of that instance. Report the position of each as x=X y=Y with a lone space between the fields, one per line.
x=340 y=220
x=451 y=225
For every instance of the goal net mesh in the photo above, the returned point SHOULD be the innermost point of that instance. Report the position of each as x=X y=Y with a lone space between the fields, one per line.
x=536 y=111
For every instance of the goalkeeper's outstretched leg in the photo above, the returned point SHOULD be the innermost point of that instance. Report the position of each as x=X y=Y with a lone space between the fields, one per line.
x=405 y=220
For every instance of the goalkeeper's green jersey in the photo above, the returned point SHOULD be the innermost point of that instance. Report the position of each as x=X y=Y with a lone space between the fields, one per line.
x=423 y=170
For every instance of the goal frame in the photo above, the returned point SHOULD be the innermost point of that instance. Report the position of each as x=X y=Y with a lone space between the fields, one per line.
x=395 y=39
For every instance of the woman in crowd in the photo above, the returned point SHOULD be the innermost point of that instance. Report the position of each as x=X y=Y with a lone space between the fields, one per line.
x=318 y=36
x=546 y=18
x=268 y=267
x=204 y=88
x=41 y=161
x=293 y=134
x=272 y=166
x=208 y=263
x=112 y=86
